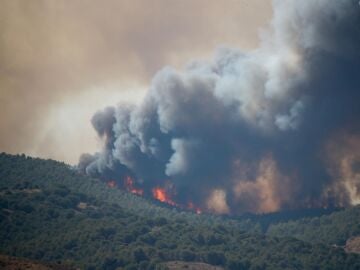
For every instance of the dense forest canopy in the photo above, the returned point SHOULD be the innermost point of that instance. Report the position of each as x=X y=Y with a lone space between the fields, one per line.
x=52 y=213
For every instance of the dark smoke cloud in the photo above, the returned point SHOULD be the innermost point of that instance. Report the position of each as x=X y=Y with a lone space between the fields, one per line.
x=248 y=131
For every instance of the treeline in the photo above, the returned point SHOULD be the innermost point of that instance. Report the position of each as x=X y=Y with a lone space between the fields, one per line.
x=51 y=213
x=47 y=173
x=333 y=229
x=59 y=225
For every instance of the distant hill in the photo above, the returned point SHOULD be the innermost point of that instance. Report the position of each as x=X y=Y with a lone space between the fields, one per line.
x=51 y=213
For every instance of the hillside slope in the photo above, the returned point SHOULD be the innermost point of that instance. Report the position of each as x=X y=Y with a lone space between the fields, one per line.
x=49 y=212
x=333 y=229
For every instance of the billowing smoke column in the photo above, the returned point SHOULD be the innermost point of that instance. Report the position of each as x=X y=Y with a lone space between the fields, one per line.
x=274 y=128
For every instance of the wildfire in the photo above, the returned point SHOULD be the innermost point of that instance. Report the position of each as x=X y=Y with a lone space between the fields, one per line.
x=129 y=186
x=111 y=184
x=161 y=195
x=192 y=206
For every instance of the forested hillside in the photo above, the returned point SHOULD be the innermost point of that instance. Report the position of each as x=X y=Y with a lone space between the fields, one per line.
x=335 y=228
x=51 y=213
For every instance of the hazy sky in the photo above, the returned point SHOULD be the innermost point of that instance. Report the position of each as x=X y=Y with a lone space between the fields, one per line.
x=61 y=61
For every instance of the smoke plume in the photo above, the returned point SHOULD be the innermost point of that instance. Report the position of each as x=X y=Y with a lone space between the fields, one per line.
x=274 y=128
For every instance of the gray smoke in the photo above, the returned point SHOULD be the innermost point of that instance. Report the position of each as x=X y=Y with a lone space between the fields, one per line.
x=249 y=131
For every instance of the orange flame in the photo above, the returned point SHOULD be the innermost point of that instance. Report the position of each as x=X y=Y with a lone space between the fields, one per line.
x=129 y=186
x=111 y=184
x=161 y=195
x=192 y=206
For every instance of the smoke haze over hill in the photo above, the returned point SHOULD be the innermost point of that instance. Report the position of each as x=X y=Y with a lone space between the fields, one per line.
x=63 y=60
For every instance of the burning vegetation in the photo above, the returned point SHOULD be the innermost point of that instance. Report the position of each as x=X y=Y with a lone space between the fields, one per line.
x=248 y=131
x=129 y=186
x=164 y=195
x=161 y=195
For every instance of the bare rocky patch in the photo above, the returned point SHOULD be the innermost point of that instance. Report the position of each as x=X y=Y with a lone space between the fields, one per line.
x=14 y=263
x=353 y=245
